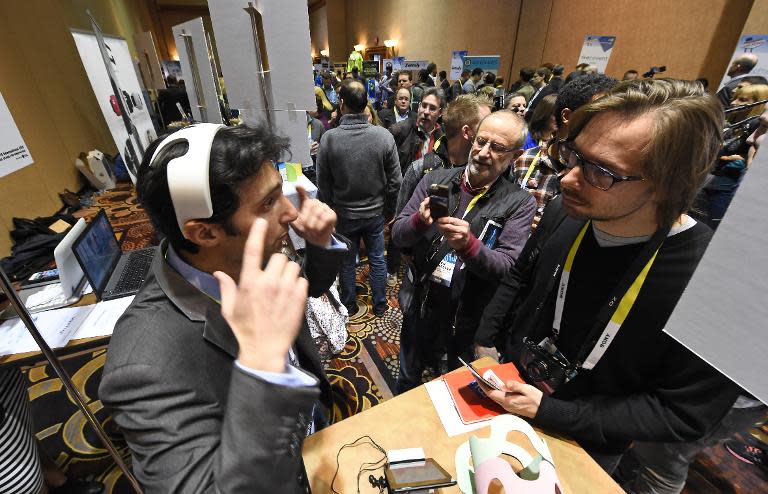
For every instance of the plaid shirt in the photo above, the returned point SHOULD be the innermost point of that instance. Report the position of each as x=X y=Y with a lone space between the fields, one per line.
x=542 y=184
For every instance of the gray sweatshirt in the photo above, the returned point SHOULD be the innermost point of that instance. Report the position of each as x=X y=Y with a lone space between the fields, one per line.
x=358 y=171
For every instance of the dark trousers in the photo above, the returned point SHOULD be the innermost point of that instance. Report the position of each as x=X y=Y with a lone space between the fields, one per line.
x=393 y=257
x=371 y=230
x=423 y=340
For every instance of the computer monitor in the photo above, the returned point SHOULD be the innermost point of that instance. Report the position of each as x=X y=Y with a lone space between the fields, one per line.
x=98 y=251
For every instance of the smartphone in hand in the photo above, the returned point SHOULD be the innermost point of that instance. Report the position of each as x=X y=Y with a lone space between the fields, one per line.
x=438 y=201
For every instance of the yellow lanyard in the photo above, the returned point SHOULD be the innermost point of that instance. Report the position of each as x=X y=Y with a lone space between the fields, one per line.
x=619 y=315
x=528 y=174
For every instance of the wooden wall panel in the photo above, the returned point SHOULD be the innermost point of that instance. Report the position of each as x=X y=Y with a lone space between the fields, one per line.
x=432 y=29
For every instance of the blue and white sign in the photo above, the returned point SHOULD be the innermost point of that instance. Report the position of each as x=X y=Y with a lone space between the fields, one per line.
x=396 y=63
x=457 y=63
x=489 y=63
x=596 y=51
x=754 y=44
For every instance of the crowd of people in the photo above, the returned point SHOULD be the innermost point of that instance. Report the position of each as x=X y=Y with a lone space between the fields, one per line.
x=549 y=223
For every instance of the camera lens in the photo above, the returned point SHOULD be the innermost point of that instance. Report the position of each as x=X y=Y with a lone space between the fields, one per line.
x=538 y=370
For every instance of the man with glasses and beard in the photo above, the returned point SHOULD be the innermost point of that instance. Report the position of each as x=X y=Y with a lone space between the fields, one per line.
x=583 y=311
x=459 y=256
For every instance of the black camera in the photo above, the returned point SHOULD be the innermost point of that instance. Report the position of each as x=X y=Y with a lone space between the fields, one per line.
x=545 y=366
x=655 y=70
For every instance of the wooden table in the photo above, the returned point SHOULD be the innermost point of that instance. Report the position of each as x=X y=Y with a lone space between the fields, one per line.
x=20 y=359
x=409 y=421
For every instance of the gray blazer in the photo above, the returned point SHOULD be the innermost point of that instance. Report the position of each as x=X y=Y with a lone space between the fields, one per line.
x=193 y=421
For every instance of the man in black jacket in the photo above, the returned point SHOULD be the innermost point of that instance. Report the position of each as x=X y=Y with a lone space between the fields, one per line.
x=460 y=256
x=582 y=314
x=415 y=137
x=401 y=111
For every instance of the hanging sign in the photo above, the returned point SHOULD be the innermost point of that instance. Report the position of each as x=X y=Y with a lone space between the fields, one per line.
x=457 y=63
x=14 y=154
x=596 y=51
x=488 y=63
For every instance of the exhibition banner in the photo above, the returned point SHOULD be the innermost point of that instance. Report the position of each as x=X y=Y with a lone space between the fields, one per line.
x=396 y=63
x=370 y=68
x=488 y=63
x=414 y=65
x=109 y=67
x=596 y=51
x=457 y=63
x=14 y=154
x=755 y=44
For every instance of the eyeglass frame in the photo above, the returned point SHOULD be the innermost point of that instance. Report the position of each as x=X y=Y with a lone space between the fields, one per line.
x=581 y=160
x=501 y=148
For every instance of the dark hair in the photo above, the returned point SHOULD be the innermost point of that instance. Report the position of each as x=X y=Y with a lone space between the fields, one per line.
x=171 y=80
x=465 y=73
x=540 y=120
x=489 y=78
x=437 y=93
x=355 y=69
x=526 y=73
x=558 y=70
x=544 y=72
x=353 y=94
x=404 y=72
x=424 y=76
x=237 y=155
x=443 y=74
x=580 y=91
x=432 y=66
x=477 y=71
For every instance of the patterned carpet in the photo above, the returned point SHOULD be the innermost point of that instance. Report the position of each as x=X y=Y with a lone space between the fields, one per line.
x=362 y=376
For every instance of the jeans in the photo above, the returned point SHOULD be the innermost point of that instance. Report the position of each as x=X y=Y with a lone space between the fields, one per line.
x=371 y=230
x=663 y=467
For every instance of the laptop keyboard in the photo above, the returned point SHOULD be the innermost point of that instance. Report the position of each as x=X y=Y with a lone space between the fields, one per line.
x=134 y=272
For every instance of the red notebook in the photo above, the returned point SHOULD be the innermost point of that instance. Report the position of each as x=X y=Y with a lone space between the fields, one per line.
x=472 y=407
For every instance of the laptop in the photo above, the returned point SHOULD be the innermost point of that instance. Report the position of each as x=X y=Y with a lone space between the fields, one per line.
x=63 y=291
x=111 y=272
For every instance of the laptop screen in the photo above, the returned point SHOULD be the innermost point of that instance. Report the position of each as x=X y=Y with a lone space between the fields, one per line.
x=98 y=251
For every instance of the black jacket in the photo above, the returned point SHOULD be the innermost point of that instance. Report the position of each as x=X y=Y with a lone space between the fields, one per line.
x=408 y=140
x=499 y=204
x=388 y=119
x=647 y=386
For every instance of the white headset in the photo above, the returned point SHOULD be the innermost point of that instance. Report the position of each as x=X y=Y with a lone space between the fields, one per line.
x=188 y=180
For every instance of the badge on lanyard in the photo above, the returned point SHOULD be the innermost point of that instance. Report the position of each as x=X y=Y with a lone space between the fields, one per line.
x=443 y=273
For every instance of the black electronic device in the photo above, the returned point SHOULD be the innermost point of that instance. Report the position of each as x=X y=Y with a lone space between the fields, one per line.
x=438 y=201
x=417 y=475
x=111 y=272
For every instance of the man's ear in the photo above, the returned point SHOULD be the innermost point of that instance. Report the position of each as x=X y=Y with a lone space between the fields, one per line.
x=565 y=115
x=202 y=233
x=466 y=132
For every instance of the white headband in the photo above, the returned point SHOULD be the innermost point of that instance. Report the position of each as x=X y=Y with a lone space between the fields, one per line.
x=188 y=180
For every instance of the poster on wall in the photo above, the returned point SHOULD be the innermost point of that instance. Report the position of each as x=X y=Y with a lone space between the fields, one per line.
x=752 y=44
x=596 y=51
x=14 y=154
x=457 y=63
x=110 y=70
x=172 y=67
x=488 y=63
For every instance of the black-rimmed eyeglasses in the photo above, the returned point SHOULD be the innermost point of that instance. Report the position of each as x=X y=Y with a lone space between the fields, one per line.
x=595 y=175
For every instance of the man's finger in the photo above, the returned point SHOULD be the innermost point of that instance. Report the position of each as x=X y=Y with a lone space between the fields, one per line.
x=275 y=266
x=303 y=195
x=253 y=254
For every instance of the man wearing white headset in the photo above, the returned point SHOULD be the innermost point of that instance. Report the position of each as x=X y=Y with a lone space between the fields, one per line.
x=211 y=373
